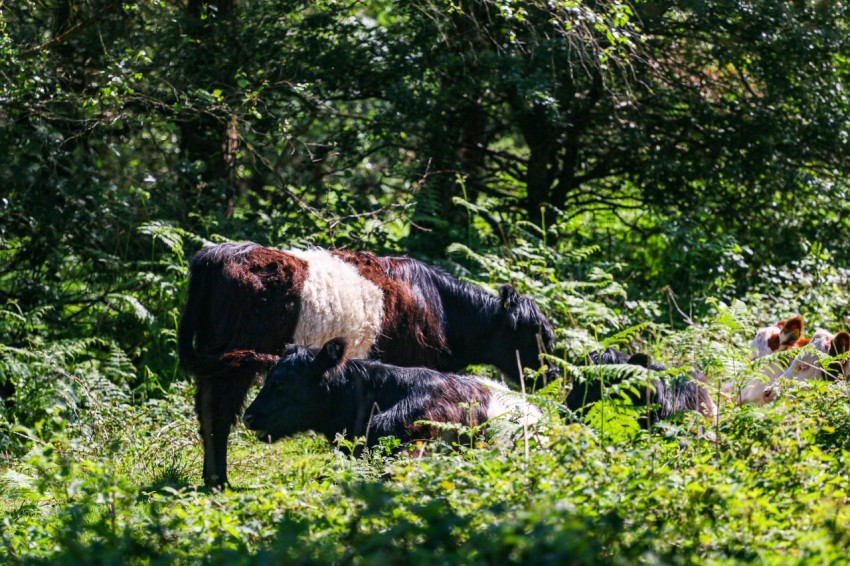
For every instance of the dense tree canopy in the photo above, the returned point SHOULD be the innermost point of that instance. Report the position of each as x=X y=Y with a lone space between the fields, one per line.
x=699 y=131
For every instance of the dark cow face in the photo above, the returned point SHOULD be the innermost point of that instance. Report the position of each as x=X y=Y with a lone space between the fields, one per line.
x=296 y=395
x=527 y=330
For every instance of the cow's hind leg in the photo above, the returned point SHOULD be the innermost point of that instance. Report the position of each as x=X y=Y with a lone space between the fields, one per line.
x=218 y=401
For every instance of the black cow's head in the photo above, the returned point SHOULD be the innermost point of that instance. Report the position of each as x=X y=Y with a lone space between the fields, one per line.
x=295 y=397
x=523 y=329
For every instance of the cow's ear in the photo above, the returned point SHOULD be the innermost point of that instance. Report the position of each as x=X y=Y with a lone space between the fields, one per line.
x=791 y=331
x=641 y=360
x=508 y=297
x=332 y=355
x=840 y=344
x=773 y=342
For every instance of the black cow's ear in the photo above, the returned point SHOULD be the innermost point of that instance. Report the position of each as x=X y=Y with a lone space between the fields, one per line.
x=641 y=360
x=508 y=297
x=332 y=354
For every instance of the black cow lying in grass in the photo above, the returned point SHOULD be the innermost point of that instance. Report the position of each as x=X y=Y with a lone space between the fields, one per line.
x=320 y=390
x=668 y=395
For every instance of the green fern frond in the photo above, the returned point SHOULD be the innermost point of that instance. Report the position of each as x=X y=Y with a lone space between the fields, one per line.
x=627 y=335
x=122 y=300
x=165 y=232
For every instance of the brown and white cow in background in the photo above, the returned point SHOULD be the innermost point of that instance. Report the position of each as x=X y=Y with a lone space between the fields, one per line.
x=247 y=303
x=788 y=335
x=783 y=336
x=808 y=365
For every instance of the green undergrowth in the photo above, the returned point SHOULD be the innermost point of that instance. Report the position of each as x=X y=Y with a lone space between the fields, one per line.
x=100 y=460
x=765 y=484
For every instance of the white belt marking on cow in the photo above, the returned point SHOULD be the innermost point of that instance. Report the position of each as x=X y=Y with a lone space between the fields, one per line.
x=337 y=301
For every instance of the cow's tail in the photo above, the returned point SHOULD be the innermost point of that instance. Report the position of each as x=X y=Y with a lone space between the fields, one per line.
x=246 y=363
x=200 y=283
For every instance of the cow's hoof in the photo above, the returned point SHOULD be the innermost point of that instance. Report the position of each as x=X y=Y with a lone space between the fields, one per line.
x=215 y=483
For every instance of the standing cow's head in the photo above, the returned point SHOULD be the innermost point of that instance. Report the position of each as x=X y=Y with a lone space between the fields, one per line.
x=523 y=329
x=296 y=395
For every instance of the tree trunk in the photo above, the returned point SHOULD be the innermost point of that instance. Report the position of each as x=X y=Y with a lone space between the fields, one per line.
x=541 y=139
x=207 y=138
